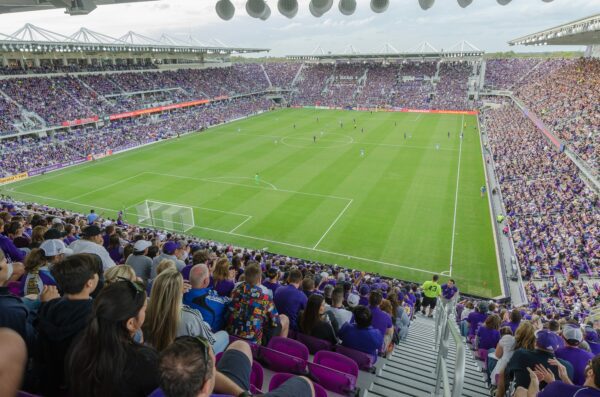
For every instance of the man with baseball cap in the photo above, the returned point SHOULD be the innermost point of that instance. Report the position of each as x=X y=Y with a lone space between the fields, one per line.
x=572 y=353
x=91 y=243
x=170 y=250
x=139 y=260
x=545 y=346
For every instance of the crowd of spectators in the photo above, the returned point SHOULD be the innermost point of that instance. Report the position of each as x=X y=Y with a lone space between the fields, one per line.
x=74 y=287
x=26 y=154
x=552 y=215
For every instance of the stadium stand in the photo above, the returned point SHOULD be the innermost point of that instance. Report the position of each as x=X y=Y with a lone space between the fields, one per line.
x=552 y=217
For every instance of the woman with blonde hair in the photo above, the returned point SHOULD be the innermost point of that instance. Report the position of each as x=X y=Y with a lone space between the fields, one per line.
x=222 y=278
x=524 y=339
x=167 y=317
x=118 y=273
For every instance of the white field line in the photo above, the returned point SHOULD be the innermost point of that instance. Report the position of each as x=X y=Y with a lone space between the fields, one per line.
x=456 y=196
x=245 y=177
x=107 y=186
x=192 y=206
x=342 y=255
x=237 y=227
x=250 y=186
x=333 y=223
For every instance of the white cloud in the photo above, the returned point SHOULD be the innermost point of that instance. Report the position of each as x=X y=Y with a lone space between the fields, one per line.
x=485 y=23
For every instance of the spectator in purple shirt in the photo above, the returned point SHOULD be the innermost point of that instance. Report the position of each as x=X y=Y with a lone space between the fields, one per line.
x=364 y=291
x=272 y=281
x=361 y=335
x=12 y=253
x=222 y=278
x=488 y=334
x=477 y=317
x=563 y=387
x=289 y=300
x=381 y=320
x=449 y=290
x=515 y=320
x=572 y=353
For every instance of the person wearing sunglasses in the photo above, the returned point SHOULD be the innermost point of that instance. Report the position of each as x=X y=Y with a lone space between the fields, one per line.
x=106 y=360
x=562 y=387
x=188 y=369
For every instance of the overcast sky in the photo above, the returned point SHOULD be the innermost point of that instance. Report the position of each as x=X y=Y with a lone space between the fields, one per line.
x=404 y=25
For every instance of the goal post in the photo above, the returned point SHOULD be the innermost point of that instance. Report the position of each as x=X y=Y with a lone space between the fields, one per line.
x=168 y=216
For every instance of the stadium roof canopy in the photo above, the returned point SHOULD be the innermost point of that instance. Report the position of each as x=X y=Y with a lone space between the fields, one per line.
x=35 y=40
x=584 y=31
x=72 y=7
x=423 y=51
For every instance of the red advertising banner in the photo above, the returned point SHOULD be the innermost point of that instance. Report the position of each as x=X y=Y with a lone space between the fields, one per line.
x=469 y=112
x=159 y=109
x=86 y=120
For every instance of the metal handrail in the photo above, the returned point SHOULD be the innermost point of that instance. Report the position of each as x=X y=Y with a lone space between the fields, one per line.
x=445 y=326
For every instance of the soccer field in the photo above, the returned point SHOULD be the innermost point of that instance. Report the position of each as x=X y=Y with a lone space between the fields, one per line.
x=409 y=206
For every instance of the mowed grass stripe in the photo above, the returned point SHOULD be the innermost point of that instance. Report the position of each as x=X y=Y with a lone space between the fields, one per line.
x=400 y=220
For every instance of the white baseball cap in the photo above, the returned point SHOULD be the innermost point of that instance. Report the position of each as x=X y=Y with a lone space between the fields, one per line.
x=353 y=300
x=55 y=247
x=141 y=245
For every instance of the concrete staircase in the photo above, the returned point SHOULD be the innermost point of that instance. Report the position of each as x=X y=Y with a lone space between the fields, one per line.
x=410 y=371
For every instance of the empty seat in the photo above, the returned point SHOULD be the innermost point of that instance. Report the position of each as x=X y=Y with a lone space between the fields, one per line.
x=364 y=361
x=285 y=355
x=334 y=372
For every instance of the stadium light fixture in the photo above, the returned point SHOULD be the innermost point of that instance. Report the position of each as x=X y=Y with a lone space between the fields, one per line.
x=426 y=4
x=225 y=9
x=503 y=2
x=320 y=7
x=464 y=3
x=288 y=8
x=256 y=8
x=267 y=13
x=347 y=7
x=379 y=6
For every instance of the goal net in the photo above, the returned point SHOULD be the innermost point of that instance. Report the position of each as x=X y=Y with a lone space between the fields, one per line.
x=166 y=216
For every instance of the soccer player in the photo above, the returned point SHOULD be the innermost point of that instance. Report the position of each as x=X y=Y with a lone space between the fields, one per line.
x=448 y=134
x=256 y=179
x=437 y=146
x=294 y=125
x=362 y=129
x=395 y=124
x=362 y=152
x=405 y=135
x=317 y=119
x=482 y=191
x=314 y=139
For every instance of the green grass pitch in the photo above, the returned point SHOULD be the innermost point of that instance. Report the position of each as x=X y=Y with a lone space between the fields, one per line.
x=393 y=210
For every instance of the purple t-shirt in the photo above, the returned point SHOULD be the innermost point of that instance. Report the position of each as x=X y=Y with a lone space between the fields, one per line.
x=381 y=320
x=561 y=389
x=289 y=300
x=364 y=300
x=448 y=292
x=224 y=287
x=578 y=358
x=272 y=286
x=474 y=319
x=511 y=325
x=367 y=340
x=488 y=338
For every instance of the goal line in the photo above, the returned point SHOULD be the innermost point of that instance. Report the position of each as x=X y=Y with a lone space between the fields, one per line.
x=163 y=215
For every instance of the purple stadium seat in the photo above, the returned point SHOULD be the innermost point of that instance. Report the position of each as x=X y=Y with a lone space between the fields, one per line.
x=482 y=355
x=25 y=394
x=285 y=355
x=364 y=361
x=158 y=393
x=334 y=372
x=280 y=378
x=314 y=344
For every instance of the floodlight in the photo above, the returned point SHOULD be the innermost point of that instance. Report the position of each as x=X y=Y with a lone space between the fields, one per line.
x=426 y=4
x=320 y=7
x=503 y=2
x=547 y=1
x=379 y=6
x=225 y=9
x=347 y=7
x=464 y=3
x=288 y=8
x=256 y=8
x=267 y=13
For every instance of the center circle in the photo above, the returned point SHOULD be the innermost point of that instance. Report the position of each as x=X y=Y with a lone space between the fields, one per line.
x=326 y=141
